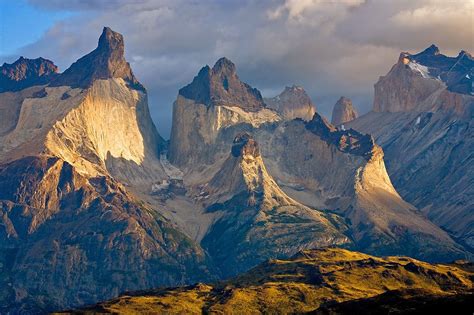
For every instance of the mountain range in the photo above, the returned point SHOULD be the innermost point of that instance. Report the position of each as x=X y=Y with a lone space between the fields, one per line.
x=94 y=202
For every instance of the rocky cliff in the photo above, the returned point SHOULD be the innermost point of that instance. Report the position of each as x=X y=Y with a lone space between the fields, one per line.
x=427 y=136
x=292 y=103
x=73 y=231
x=343 y=112
x=69 y=239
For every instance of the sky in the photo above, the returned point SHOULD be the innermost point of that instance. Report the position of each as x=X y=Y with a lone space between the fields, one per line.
x=332 y=48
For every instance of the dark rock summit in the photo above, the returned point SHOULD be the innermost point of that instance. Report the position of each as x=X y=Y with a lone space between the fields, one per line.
x=244 y=144
x=25 y=72
x=106 y=61
x=349 y=141
x=343 y=111
x=220 y=86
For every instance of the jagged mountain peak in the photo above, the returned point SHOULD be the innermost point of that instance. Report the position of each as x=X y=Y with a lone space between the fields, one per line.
x=105 y=62
x=221 y=86
x=464 y=53
x=112 y=41
x=343 y=111
x=321 y=124
x=26 y=72
x=347 y=141
x=432 y=50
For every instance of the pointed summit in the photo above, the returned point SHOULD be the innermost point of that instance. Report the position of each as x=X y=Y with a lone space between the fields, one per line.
x=224 y=65
x=112 y=41
x=105 y=62
x=221 y=86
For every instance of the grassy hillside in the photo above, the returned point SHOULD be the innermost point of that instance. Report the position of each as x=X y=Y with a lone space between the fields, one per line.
x=311 y=280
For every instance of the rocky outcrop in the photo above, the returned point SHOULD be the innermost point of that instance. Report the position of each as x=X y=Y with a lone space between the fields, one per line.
x=220 y=86
x=292 y=103
x=349 y=141
x=257 y=219
x=343 y=112
x=105 y=62
x=25 y=73
x=426 y=82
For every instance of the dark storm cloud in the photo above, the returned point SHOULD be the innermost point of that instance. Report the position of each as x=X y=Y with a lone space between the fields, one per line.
x=332 y=48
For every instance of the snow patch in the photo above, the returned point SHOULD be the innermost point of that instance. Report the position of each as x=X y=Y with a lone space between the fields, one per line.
x=420 y=69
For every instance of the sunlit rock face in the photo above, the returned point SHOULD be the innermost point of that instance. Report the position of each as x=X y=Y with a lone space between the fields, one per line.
x=308 y=160
x=292 y=103
x=422 y=118
x=71 y=149
x=343 y=112
x=93 y=126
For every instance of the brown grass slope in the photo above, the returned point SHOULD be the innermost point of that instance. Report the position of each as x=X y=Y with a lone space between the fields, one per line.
x=311 y=280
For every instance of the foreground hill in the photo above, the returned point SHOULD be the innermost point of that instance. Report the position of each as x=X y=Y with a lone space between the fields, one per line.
x=315 y=280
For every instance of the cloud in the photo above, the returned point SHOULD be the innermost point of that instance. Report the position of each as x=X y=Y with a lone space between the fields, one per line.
x=332 y=48
x=304 y=10
x=412 y=25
